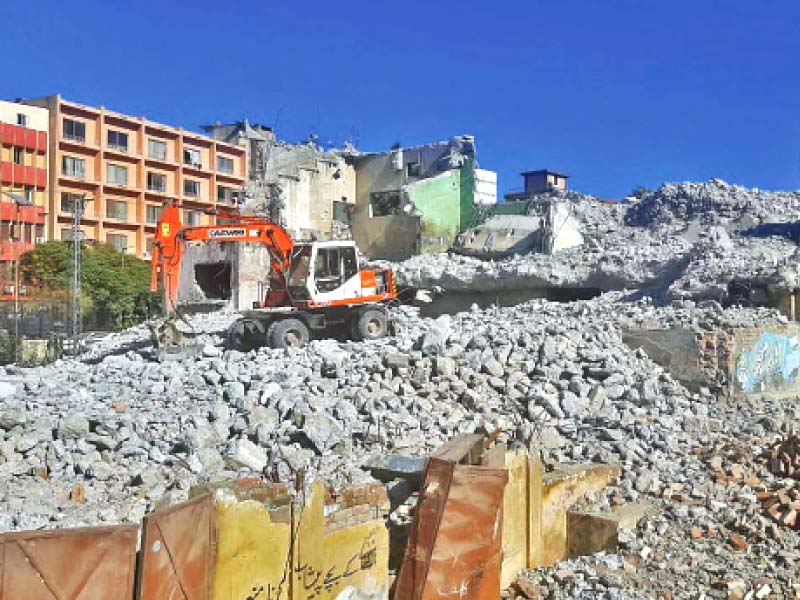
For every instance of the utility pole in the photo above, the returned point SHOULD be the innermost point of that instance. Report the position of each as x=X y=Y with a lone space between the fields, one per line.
x=75 y=288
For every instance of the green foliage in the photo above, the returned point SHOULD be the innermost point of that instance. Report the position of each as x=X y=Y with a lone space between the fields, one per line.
x=115 y=286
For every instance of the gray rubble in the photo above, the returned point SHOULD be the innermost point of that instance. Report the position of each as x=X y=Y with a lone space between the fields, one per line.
x=686 y=240
x=125 y=428
x=136 y=428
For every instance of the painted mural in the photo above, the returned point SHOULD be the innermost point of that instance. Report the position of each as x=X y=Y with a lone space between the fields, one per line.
x=773 y=362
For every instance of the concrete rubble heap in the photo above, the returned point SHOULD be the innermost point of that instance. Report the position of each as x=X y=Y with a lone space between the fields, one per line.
x=104 y=438
x=685 y=241
x=124 y=428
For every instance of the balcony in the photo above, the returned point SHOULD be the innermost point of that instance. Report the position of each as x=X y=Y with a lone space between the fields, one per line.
x=71 y=137
x=13 y=250
x=12 y=212
x=122 y=185
x=30 y=139
x=11 y=173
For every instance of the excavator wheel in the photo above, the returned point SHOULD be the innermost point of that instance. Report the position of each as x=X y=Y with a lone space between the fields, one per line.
x=288 y=333
x=246 y=335
x=371 y=325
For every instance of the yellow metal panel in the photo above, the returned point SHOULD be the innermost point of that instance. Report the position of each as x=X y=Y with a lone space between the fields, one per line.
x=357 y=562
x=561 y=489
x=253 y=553
x=515 y=518
x=309 y=553
x=535 y=540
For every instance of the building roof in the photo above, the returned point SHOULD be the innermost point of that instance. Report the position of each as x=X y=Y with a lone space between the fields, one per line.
x=544 y=172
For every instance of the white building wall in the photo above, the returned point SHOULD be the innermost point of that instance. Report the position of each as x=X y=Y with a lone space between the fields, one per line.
x=37 y=117
x=485 y=187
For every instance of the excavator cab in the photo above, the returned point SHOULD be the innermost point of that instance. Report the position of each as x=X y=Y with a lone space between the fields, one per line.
x=327 y=273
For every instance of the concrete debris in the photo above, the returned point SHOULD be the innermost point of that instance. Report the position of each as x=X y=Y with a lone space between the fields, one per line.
x=683 y=241
x=106 y=437
x=556 y=378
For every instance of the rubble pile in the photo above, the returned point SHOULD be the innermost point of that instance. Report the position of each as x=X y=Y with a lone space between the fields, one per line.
x=132 y=428
x=684 y=241
x=713 y=202
x=784 y=458
x=107 y=437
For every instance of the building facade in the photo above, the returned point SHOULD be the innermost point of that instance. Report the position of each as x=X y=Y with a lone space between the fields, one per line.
x=126 y=168
x=307 y=190
x=23 y=185
x=412 y=200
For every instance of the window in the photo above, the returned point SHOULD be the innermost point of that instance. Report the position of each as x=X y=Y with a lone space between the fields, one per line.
x=224 y=194
x=74 y=130
x=68 y=201
x=383 y=204
x=148 y=244
x=22 y=120
x=66 y=235
x=19 y=156
x=414 y=169
x=191 y=188
x=117 y=209
x=117 y=174
x=73 y=167
x=224 y=164
x=340 y=211
x=157 y=149
x=192 y=157
x=28 y=194
x=156 y=182
x=118 y=240
x=333 y=267
x=153 y=213
x=118 y=140
x=192 y=217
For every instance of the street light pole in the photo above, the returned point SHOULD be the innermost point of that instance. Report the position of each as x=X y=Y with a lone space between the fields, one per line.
x=75 y=288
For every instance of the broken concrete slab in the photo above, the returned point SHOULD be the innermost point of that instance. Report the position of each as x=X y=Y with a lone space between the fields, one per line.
x=589 y=532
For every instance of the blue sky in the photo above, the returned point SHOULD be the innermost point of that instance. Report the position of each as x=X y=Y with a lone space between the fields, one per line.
x=617 y=93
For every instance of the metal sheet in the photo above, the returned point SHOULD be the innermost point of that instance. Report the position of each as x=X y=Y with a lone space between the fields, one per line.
x=177 y=552
x=70 y=564
x=454 y=550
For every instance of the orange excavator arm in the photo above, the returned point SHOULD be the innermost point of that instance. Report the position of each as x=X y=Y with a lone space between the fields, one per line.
x=171 y=238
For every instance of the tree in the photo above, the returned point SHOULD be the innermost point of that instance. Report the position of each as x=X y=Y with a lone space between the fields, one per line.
x=115 y=286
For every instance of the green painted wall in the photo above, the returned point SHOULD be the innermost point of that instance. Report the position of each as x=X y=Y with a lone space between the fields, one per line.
x=510 y=208
x=446 y=203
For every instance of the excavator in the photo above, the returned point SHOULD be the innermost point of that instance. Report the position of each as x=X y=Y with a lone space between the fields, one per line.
x=313 y=288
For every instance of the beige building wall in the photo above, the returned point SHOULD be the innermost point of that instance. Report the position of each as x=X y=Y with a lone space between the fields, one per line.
x=129 y=167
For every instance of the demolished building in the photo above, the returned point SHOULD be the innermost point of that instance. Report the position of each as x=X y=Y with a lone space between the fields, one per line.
x=416 y=200
x=302 y=187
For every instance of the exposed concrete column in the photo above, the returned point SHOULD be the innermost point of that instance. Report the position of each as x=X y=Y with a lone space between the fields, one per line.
x=251 y=273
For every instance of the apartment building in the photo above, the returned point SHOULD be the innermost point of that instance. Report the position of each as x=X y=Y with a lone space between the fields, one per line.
x=23 y=185
x=127 y=167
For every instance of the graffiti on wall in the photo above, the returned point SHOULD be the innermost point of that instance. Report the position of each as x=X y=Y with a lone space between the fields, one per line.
x=773 y=362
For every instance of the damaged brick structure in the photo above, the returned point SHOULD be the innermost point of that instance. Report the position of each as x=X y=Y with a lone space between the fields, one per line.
x=734 y=360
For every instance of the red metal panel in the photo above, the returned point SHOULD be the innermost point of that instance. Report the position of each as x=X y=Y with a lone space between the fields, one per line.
x=15 y=135
x=76 y=564
x=41 y=178
x=454 y=550
x=177 y=552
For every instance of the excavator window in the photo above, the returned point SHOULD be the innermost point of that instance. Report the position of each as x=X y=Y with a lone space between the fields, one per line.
x=349 y=262
x=299 y=271
x=328 y=269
